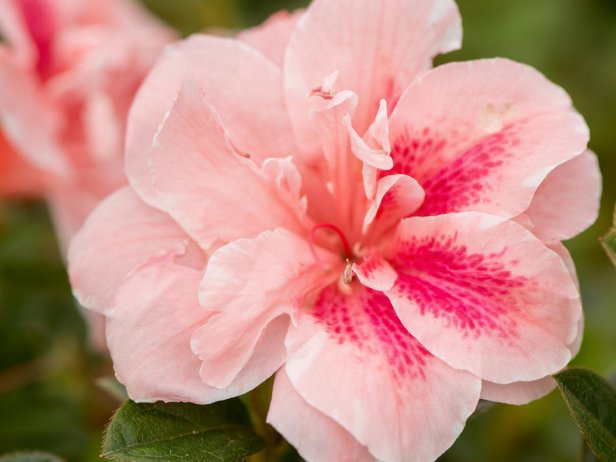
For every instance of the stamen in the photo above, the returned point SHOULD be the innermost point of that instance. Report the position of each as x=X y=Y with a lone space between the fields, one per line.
x=326 y=94
x=348 y=251
x=347 y=275
x=238 y=151
x=326 y=90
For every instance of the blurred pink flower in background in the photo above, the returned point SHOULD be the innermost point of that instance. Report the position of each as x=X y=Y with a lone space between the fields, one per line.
x=382 y=236
x=18 y=177
x=68 y=74
x=69 y=70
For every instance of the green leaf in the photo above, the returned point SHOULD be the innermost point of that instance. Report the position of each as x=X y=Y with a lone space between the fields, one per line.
x=609 y=242
x=29 y=456
x=592 y=402
x=219 y=432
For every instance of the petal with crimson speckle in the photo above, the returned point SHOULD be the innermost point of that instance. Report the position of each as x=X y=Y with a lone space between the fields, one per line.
x=400 y=401
x=483 y=135
x=484 y=295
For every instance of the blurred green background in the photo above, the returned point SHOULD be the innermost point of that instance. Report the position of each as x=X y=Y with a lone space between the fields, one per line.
x=48 y=396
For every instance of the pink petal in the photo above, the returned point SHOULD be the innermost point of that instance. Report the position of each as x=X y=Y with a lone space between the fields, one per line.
x=375 y=272
x=121 y=234
x=485 y=295
x=352 y=360
x=519 y=393
x=379 y=48
x=483 y=135
x=524 y=392
x=341 y=170
x=244 y=87
x=371 y=151
x=396 y=197
x=209 y=187
x=256 y=285
x=148 y=333
x=315 y=436
x=567 y=202
x=271 y=37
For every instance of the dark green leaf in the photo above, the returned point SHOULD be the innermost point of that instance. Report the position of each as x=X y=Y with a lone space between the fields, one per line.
x=592 y=402
x=587 y=455
x=29 y=456
x=219 y=432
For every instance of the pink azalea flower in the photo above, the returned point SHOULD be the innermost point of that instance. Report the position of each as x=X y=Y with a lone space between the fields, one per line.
x=382 y=236
x=68 y=73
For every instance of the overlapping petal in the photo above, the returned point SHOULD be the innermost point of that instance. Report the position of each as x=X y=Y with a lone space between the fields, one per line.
x=402 y=402
x=120 y=235
x=315 y=436
x=475 y=289
x=148 y=334
x=568 y=200
x=253 y=314
x=207 y=185
x=243 y=86
x=525 y=392
x=483 y=135
x=378 y=48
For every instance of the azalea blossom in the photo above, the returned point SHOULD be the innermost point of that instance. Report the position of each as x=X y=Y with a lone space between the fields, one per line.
x=68 y=73
x=380 y=235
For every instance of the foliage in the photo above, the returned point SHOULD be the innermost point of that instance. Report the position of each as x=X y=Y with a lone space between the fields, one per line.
x=162 y=432
x=592 y=402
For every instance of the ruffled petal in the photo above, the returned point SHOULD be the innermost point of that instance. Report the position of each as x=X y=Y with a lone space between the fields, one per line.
x=271 y=37
x=519 y=393
x=379 y=48
x=396 y=197
x=401 y=402
x=524 y=392
x=256 y=286
x=568 y=200
x=148 y=334
x=243 y=86
x=209 y=187
x=483 y=135
x=314 y=435
x=485 y=295
x=375 y=272
x=121 y=234
x=333 y=203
